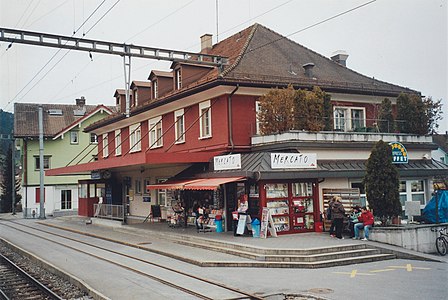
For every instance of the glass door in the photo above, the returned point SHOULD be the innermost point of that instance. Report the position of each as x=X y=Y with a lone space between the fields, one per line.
x=302 y=207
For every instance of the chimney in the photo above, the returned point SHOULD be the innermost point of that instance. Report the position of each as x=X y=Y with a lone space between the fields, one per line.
x=206 y=42
x=309 y=70
x=81 y=102
x=340 y=57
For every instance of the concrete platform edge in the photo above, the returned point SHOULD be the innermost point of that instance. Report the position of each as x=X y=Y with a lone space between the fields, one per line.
x=57 y=271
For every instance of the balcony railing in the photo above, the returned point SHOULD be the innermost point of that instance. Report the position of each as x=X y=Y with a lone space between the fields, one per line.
x=108 y=211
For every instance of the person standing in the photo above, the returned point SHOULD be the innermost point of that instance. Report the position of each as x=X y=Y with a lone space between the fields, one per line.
x=338 y=215
x=365 y=222
x=328 y=216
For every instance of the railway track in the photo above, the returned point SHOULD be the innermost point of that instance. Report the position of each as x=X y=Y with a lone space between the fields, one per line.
x=193 y=285
x=15 y=283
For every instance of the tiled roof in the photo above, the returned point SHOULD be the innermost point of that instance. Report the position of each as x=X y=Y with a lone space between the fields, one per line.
x=141 y=83
x=26 y=119
x=160 y=74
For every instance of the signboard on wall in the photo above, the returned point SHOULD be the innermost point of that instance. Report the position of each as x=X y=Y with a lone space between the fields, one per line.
x=227 y=162
x=399 y=153
x=293 y=160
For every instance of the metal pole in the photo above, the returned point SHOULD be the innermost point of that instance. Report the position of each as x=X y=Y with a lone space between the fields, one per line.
x=13 y=174
x=127 y=83
x=41 y=163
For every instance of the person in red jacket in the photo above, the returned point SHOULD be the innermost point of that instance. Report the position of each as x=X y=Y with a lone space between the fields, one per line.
x=365 y=222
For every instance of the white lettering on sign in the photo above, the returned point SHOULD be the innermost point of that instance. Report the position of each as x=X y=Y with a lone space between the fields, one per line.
x=227 y=162
x=293 y=160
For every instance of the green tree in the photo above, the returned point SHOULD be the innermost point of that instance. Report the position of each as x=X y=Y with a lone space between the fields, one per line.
x=386 y=119
x=381 y=182
x=276 y=113
x=6 y=184
x=328 y=113
x=309 y=110
x=413 y=115
x=433 y=112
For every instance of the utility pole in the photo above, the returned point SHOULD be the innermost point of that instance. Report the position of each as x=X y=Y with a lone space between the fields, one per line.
x=41 y=163
x=13 y=174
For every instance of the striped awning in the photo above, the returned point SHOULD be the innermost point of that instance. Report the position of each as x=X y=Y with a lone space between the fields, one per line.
x=194 y=184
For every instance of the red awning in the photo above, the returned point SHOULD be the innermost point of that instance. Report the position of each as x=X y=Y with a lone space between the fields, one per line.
x=171 y=184
x=210 y=183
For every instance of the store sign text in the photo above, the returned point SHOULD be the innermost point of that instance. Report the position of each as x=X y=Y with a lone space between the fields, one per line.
x=293 y=160
x=399 y=153
x=227 y=162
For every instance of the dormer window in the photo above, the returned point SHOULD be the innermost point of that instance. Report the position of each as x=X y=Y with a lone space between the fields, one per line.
x=118 y=102
x=178 y=79
x=155 y=88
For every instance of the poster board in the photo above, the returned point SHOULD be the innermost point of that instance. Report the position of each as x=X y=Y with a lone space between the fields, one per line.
x=243 y=221
x=155 y=211
x=267 y=222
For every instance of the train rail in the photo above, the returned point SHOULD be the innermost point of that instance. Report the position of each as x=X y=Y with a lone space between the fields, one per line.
x=197 y=284
x=15 y=283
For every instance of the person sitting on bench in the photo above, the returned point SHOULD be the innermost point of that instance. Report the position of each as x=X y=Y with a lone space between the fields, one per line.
x=365 y=222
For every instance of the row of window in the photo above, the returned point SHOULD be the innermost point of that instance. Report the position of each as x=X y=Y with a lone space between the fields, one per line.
x=66 y=198
x=156 y=132
x=74 y=138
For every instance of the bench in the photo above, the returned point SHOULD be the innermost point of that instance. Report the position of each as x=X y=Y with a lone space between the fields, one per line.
x=350 y=198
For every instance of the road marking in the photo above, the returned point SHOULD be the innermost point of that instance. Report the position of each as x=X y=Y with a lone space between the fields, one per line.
x=384 y=270
x=409 y=267
x=353 y=273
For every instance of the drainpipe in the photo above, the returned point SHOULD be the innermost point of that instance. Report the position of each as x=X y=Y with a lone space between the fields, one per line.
x=229 y=103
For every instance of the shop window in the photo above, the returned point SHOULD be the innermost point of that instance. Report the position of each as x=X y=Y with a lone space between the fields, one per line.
x=146 y=182
x=412 y=190
x=66 y=199
x=276 y=190
x=362 y=192
x=138 y=186
x=82 y=190
x=302 y=189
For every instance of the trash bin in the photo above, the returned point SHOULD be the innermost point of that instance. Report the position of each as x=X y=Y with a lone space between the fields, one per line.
x=218 y=222
x=256 y=228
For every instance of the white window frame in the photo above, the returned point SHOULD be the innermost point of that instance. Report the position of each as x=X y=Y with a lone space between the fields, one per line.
x=179 y=118
x=178 y=79
x=118 y=142
x=155 y=132
x=161 y=193
x=155 y=87
x=66 y=200
x=135 y=134
x=205 y=120
x=93 y=138
x=46 y=162
x=410 y=194
x=345 y=123
x=257 y=120
x=74 y=137
x=105 y=145
x=135 y=97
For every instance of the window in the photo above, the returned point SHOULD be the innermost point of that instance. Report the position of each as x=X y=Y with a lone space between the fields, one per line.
x=138 y=186
x=412 y=190
x=155 y=133
x=161 y=194
x=349 y=118
x=205 y=123
x=178 y=79
x=257 y=111
x=66 y=199
x=135 y=97
x=155 y=88
x=38 y=195
x=180 y=126
x=362 y=192
x=146 y=182
x=105 y=145
x=46 y=162
x=74 y=137
x=93 y=138
x=135 y=135
x=117 y=142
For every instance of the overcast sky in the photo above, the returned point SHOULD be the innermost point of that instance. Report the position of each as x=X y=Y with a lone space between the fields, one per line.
x=402 y=42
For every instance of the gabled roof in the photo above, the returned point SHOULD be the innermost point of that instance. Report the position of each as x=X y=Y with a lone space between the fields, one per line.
x=158 y=73
x=119 y=92
x=140 y=83
x=26 y=120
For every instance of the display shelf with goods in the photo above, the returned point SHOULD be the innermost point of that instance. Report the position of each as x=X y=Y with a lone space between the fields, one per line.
x=208 y=220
